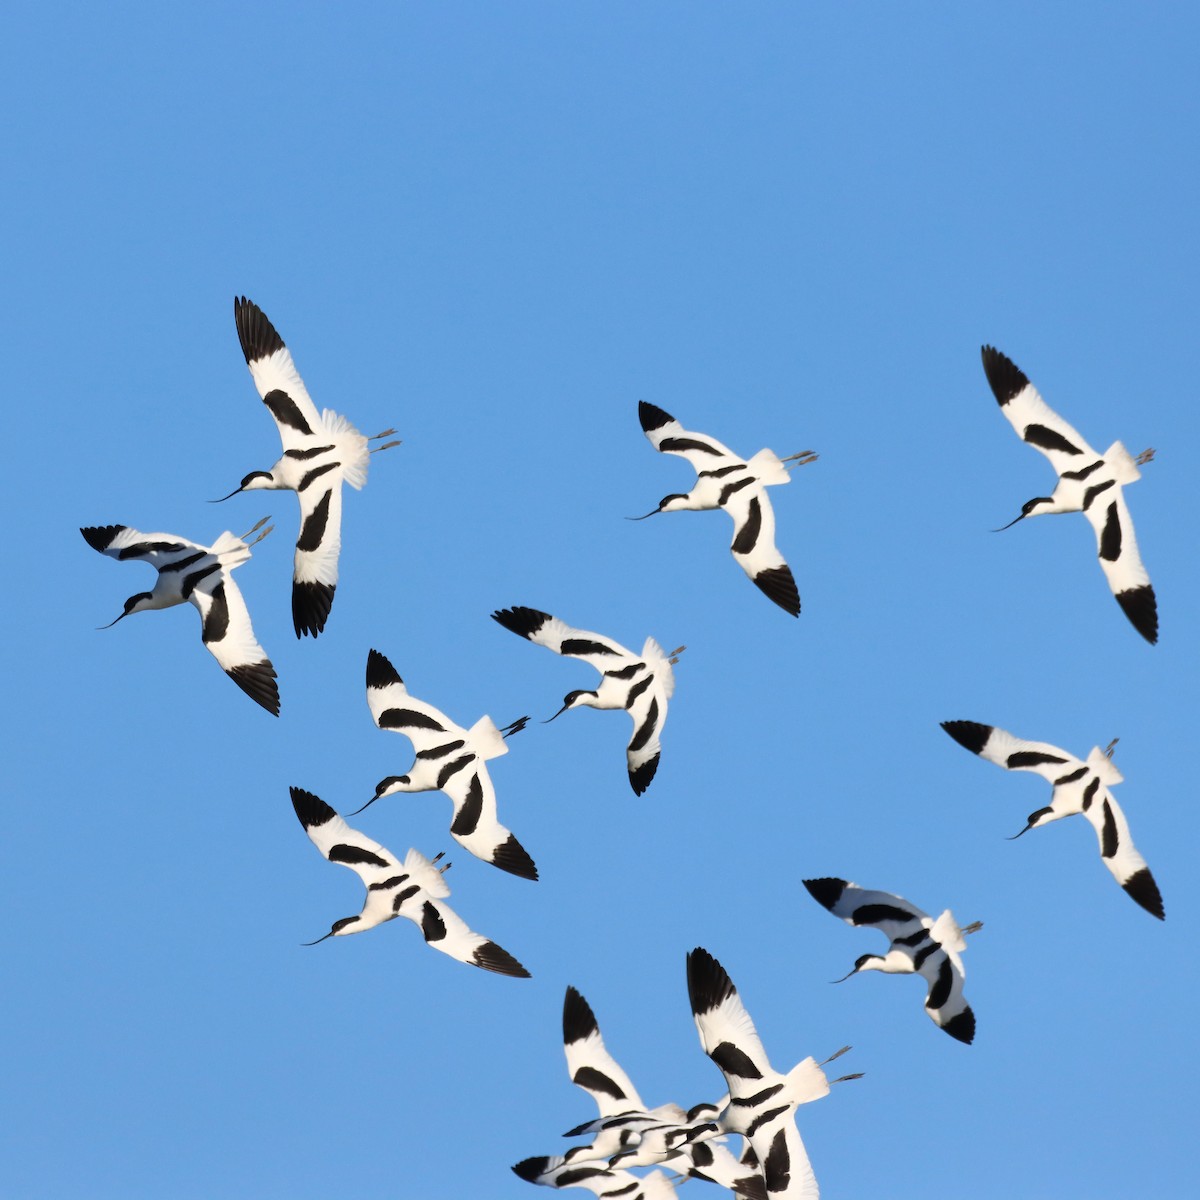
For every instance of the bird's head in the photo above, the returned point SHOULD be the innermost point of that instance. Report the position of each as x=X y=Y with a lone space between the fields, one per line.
x=337 y=928
x=139 y=603
x=1030 y=508
x=1041 y=817
x=578 y=699
x=253 y=482
x=864 y=962
x=386 y=787
x=671 y=503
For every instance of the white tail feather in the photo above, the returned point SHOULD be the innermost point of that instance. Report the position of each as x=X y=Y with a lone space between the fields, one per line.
x=355 y=454
x=1104 y=767
x=805 y=1082
x=487 y=739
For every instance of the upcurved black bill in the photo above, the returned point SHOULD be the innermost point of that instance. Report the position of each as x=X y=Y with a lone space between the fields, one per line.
x=1011 y=523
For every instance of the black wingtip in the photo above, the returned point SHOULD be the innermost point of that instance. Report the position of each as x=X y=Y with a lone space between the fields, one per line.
x=491 y=957
x=1140 y=606
x=380 y=672
x=1142 y=888
x=1004 y=377
x=709 y=985
x=100 y=537
x=256 y=334
x=311 y=603
x=962 y=1026
x=521 y=620
x=970 y=734
x=532 y=1169
x=826 y=891
x=579 y=1022
x=652 y=417
x=258 y=681
x=512 y=857
x=641 y=777
x=779 y=585
x=310 y=809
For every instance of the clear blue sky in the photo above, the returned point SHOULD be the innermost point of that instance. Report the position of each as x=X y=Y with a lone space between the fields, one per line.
x=497 y=227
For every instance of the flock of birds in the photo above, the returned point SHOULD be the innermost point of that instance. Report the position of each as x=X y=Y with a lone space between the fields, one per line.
x=321 y=451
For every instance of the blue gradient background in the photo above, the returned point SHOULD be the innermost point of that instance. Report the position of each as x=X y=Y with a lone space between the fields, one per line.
x=498 y=227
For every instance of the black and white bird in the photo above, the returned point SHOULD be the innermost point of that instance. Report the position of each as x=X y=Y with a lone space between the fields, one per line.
x=557 y=1171
x=414 y=888
x=1080 y=786
x=448 y=759
x=320 y=452
x=641 y=685
x=762 y=1102
x=737 y=485
x=1088 y=482
x=204 y=576
x=628 y=1134
x=920 y=944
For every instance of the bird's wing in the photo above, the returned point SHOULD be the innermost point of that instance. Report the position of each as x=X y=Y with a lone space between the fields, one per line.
x=589 y=1063
x=1013 y=753
x=558 y=636
x=945 y=1003
x=730 y=1040
x=446 y=931
x=340 y=844
x=1119 y=853
x=754 y=546
x=1118 y=551
x=275 y=376
x=559 y=1171
x=466 y=780
x=158 y=549
x=718 y=1164
x=647 y=705
x=786 y=1170
x=669 y=437
x=393 y=708
x=315 y=568
x=726 y=1031
x=891 y=915
x=229 y=636
x=1033 y=419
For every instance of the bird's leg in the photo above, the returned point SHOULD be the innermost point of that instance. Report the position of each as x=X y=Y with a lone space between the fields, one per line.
x=974 y=927
x=255 y=529
x=835 y=1054
x=1108 y=750
x=1146 y=456
x=673 y=657
x=438 y=858
x=386 y=445
x=515 y=727
x=803 y=459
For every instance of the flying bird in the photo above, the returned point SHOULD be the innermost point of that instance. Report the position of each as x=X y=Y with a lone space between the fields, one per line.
x=320 y=452
x=628 y=1134
x=1088 y=482
x=640 y=685
x=448 y=759
x=1079 y=787
x=762 y=1102
x=413 y=888
x=737 y=485
x=204 y=576
x=920 y=944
